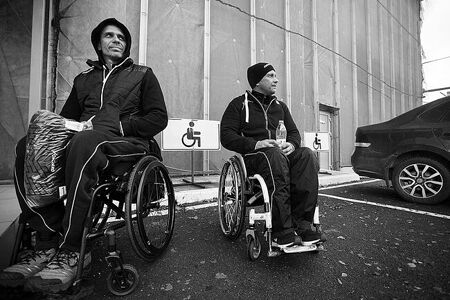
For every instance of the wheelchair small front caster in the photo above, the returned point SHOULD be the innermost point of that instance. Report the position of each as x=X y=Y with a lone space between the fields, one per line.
x=123 y=278
x=124 y=281
x=253 y=247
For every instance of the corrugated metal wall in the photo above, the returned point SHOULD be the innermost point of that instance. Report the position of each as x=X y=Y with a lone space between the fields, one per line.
x=15 y=44
x=358 y=58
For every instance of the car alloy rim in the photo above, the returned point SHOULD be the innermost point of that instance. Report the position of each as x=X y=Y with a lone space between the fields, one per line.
x=421 y=180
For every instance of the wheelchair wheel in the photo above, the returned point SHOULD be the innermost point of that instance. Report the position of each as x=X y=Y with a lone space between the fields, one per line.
x=150 y=208
x=253 y=247
x=231 y=200
x=121 y=283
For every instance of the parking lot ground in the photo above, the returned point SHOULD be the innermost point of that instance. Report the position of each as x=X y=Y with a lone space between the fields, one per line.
x=372 y=252
x=378 y=248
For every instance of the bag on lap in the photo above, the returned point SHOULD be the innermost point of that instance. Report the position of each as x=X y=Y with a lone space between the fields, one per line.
x=47 y=138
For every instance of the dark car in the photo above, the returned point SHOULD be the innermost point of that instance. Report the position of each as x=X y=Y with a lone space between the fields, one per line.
x=411 y=150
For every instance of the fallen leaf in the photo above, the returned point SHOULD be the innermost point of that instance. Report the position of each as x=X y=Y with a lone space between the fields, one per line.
x=220 y=276
x=167 y=287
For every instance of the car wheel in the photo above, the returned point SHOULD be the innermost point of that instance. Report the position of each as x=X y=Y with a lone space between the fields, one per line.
x=422 y=180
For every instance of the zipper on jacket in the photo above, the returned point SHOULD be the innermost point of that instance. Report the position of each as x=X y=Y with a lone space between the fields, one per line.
x=265 y=113
x=106 y=78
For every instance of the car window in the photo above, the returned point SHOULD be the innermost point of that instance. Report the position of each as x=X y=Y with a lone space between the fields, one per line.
x=436 y=113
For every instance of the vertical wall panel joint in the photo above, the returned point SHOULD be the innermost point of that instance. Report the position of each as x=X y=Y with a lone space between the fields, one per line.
x=206 y=72
x=37 y=56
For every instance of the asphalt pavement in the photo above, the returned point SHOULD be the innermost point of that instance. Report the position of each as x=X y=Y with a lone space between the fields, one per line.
x=378 y=247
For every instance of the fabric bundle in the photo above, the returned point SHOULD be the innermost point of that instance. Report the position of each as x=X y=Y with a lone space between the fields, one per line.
x=47 y=138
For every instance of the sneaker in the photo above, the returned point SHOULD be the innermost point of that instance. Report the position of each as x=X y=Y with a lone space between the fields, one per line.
x=59 y=274
x=283 y=241
x=309 y=237
x=30 y=263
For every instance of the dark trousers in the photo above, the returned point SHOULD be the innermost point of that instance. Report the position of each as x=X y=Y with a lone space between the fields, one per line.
x=292 y=182
x=87 y=154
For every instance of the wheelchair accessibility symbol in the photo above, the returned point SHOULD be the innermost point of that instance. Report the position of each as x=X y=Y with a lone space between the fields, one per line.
x=191 y=136
x=317 y=145
x=317 y=141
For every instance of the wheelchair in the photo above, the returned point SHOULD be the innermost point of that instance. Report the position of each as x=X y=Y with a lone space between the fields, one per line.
x=237 y=191
x=140 y=198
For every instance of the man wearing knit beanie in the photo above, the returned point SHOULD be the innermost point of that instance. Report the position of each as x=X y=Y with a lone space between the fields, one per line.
x=290 y=171
x=257 y=72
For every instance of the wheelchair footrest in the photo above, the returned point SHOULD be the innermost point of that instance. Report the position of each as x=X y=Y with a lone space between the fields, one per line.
x=295 y=249
x=299 y=248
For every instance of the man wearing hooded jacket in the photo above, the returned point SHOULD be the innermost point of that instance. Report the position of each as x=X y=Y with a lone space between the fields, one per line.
x=290 y=171
x=122 y=108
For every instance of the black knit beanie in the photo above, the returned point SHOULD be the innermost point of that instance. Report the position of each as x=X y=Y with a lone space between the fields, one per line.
x=256 y=72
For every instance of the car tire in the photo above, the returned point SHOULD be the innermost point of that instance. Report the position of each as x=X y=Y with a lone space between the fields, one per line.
x=421 y=180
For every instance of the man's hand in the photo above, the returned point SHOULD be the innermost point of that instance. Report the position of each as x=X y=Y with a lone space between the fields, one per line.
x=287 y=148
x=265 y=144
x=87 y=125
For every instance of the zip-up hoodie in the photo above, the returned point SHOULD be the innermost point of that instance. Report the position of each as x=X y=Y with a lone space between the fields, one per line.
x=253 y=117
x=124 y=101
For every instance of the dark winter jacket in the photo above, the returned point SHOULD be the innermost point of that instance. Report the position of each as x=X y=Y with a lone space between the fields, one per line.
x=124 y=101
x=127 y=101
x=253 y=117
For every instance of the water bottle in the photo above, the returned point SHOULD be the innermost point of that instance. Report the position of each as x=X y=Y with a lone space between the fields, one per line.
x=281 y=133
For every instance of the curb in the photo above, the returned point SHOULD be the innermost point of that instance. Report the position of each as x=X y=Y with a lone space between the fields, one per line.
x=194 y=196
x=338 y=178
x=204 y=195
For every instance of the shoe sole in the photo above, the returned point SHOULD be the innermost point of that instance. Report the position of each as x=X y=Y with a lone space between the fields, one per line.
x=274 y=244
x=309 y=243
x=37 y=284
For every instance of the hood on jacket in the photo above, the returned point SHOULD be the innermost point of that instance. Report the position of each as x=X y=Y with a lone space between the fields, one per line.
x=95 y=36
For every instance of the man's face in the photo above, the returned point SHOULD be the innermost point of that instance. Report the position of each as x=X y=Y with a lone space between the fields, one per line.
x=268 y=84
x=112 y=43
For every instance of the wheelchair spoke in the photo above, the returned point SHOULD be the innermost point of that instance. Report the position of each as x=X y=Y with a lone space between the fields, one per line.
x=153 y=212
x=231 y=205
